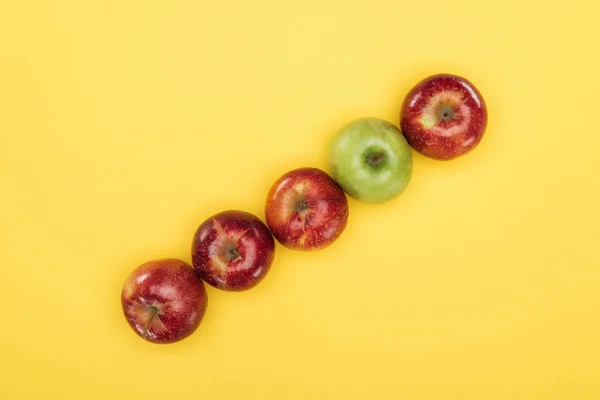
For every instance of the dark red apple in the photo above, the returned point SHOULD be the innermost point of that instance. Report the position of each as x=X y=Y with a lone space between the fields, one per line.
x=306 y=209
x=443 y=117
x=233 y=250
x=164 y=300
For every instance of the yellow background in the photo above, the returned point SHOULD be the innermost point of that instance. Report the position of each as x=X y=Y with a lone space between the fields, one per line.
x=124 y=124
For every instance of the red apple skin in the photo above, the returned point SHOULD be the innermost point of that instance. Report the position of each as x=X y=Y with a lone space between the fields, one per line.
x=306 y=209
x=443 y=117
x=164 y=301
x=233 y=250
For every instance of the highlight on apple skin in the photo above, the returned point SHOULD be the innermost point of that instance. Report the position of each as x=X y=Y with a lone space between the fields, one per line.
x=443 y=117
x=306 y=209
x=163 y=300
x=233 y=250
x=371 y=160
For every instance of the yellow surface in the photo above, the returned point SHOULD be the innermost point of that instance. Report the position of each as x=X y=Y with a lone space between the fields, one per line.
x=124 y=124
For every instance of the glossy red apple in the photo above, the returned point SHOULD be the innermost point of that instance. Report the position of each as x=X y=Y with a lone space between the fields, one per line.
x=164 y=300
x=443 y=117
x=233 y=250
x=306 y=209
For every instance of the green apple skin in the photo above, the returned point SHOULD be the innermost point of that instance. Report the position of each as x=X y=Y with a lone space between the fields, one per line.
x=371 y=160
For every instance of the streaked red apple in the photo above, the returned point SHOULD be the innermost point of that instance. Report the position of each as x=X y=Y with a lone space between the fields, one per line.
x=233 y=250
x=164 y=301
x=443 y=117
x=306 y=209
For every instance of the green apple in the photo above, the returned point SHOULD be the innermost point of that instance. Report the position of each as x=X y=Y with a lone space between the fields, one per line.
x=371 y=160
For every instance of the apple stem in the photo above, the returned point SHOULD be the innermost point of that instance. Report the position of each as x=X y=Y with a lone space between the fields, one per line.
x=154 y=313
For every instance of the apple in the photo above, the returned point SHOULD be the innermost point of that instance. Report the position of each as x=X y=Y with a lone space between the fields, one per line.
x=443 y=117
x=306 y=209
x=163 y=300
x=371 y=160
x=233 y=250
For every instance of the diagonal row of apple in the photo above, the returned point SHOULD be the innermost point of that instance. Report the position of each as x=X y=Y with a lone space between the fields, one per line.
x=442 y=117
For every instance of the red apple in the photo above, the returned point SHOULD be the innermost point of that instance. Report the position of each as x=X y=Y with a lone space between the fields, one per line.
x=306 y=209
x=233 y=250
x=163 y=300
x=443 y=117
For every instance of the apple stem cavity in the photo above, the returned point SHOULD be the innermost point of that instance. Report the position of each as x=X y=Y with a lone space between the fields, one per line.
x=446 y=112
x=230 y=252
x=301 y=205
x=375 y=158
x=233 y=254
